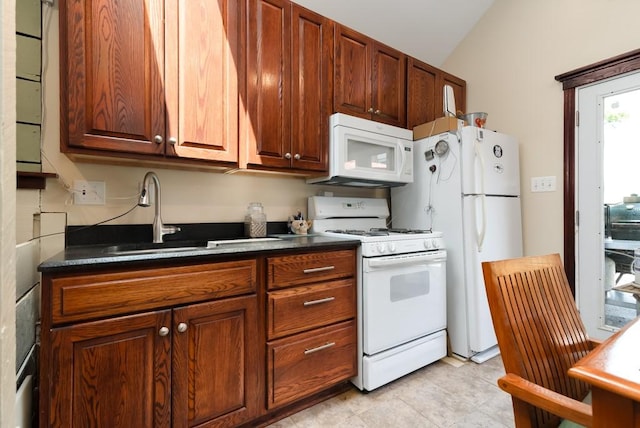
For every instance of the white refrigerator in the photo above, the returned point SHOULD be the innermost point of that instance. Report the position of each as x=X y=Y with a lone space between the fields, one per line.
x=466 y=185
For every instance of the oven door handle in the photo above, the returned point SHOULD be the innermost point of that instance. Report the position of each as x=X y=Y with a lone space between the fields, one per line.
x=407 y=260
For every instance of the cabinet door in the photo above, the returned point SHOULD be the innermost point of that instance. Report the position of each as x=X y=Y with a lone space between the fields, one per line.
x=459 y=92
x=203 y=72
x=389 y=86
x=311 y=92
x=421 y=93
x=112 y=373
x=217 y=368
x=305 y=363
x=267 y=126
x=352 y=73
x=111 y=65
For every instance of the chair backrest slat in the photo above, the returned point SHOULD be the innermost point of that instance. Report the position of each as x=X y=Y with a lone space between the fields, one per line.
x=539 y=330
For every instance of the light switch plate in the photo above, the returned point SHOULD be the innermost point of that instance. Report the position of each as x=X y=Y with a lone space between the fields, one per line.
x=543 y=184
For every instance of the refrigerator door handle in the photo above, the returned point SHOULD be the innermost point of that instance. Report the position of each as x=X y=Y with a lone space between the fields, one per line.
x=480 y=232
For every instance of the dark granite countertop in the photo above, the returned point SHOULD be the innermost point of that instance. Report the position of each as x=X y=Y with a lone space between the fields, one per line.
x=104 y=255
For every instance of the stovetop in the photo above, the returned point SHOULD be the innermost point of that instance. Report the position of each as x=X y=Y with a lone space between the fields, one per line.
x=379 y=231
x=376 y=243
x=366 y=219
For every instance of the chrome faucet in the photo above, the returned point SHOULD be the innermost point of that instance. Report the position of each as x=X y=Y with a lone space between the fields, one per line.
x=159 y=229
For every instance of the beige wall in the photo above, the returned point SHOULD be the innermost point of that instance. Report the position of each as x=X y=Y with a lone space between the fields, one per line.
x=187 y=196
x=509 y=61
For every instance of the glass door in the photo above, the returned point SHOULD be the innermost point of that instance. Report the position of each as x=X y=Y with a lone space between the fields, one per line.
x=608 y=201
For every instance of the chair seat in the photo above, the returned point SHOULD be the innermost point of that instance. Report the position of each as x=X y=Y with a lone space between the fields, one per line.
x=570 y=424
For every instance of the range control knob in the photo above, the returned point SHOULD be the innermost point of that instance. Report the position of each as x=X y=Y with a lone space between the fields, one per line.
x=381 y=248
x=392 y=247
x=428 y=244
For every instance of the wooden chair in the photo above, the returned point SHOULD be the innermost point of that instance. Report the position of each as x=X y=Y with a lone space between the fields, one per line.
x=540 y=335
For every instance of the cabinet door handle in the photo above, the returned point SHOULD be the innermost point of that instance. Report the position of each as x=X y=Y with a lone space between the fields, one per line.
x=376 y=112
x=164 y=331
x=370 y=110
x=173 y=141
x=319 y=348
x=182 y=327
x=158 y=139
x=287 y=155
x=318 y=269
x=297 y=156
x=316 y=302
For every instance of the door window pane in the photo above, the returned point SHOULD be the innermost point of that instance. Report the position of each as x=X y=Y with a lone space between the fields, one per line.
x=621 y=187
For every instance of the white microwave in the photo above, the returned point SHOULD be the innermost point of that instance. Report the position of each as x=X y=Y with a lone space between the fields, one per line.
x=365 y=153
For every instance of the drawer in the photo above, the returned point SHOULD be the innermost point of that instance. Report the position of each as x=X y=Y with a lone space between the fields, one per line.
x=302 y=365
x=91 y=296
x=305 y=307
x=305 y=268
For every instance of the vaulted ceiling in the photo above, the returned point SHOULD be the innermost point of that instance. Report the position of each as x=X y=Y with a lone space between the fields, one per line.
x=426 y=29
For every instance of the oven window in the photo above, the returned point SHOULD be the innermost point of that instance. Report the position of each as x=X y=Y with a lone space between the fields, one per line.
x=362 y=154
x=408 y=286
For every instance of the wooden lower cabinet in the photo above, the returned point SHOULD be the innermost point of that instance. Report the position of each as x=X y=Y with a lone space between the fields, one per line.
x=214 y=381
x=112 y=373
x=311 y=332
x=212 y=344
x=190 y=366
x=309 y=362
x=159 y=346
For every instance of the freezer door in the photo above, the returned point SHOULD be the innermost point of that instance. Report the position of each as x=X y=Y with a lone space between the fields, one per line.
x=492 y=232
x=490 y=162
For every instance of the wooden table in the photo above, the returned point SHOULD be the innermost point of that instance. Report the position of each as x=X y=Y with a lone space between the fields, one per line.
x=613 y=371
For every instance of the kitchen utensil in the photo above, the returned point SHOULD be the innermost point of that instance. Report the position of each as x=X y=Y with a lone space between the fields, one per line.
x=474 y=119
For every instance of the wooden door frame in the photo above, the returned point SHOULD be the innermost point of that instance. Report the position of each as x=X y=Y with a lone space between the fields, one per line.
x=571 y=80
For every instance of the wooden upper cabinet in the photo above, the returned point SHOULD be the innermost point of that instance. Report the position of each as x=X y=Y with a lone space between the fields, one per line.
x=389 y=85
x=370 y=78
x=151 y=77
x=203 y=71
x=459 y=92
x=288 y=102
x=312 y=90
x=425 y=92
x=421 y=92
x=111 y=70
x=352 y=76
x=267 y=124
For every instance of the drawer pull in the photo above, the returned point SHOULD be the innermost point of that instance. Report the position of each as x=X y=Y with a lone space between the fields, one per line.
x=316 y=302
x=319 y=348
x=319 y=269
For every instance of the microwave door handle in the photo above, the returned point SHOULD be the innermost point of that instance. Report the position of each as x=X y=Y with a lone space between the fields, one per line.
x=403 y=159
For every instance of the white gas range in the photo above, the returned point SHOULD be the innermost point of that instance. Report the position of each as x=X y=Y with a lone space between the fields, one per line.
x=401 y=288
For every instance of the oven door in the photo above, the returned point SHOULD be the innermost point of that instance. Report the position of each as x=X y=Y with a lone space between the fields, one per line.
x=403 y=298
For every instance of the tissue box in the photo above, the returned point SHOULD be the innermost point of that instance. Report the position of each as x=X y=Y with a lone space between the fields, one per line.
x=438 y=126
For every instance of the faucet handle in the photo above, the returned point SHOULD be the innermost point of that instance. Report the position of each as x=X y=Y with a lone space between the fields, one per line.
x=168 y=230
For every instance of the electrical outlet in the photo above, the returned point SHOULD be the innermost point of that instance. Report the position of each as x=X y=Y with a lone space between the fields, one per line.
x=88 y=192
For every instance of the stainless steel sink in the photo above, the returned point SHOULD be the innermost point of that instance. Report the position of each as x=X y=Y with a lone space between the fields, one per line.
x=155 y=247
x=178 y=246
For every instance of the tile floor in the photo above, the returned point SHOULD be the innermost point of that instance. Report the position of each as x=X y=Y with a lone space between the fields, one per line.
x=441 y=395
